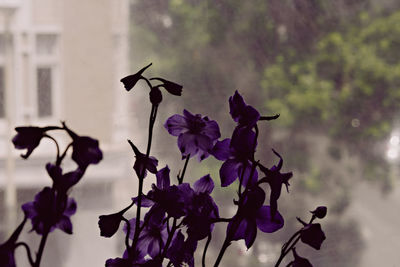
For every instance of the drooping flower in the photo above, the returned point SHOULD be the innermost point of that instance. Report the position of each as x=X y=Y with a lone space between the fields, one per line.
x=29 y=138
x=109 y=224
x=171 y=87
x=85 y=149
x=131 y=80
x=143 y=163
x=196 y=134
x=299 y=261
x=236 y=154
x=320 y=212
x=7 y=258
x=244 y=115
x=63 y=182
x=50 y=210
x=276 y=179
x=252 y=215
x=313 y=235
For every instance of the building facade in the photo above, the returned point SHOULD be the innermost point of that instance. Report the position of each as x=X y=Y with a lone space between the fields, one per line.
x=62 y=60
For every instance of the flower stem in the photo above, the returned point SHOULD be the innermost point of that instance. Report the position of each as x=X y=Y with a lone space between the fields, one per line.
x=41 y=247
x=222 y=251
x=180 y=178
x=28 y=251
x=203 y=259
x=152 y=119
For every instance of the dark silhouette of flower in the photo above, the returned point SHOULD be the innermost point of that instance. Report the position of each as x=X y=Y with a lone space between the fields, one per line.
x=171 y=87
x=299 y=261
x=85 y=149
x=131 y=80
x=63 y=182
x=196 y=134
x=276 y=179
x=29 y=138
x=252 y=215
x=200 y=207
x=154 y=234
x=155 y=96
x=143 y=163
x=50 y=210
x=7 y=258
x=320 y=212
x=244 y=115
x=135 y=259
x=182 y=251
x=313 y=235
x=236 y=153
x=109 y=224
x=169 y=199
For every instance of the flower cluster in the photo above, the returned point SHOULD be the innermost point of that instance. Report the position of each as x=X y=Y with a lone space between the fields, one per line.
x=180 y=215
x=52 y=207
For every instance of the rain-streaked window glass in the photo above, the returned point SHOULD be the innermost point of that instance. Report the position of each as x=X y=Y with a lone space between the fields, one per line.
x=2 y=45
x=2 y=94
x=46 y=44
x=44 y=91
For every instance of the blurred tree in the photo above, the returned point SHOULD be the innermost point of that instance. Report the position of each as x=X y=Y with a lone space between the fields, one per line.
x=330 y=68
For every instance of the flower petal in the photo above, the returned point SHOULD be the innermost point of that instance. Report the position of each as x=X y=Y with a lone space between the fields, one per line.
x=229 y=172
x=204 y=185
x=176 y=125
x=163 y=180
x=265 y=222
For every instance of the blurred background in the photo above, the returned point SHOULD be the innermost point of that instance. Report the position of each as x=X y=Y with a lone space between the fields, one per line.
x=331 y=69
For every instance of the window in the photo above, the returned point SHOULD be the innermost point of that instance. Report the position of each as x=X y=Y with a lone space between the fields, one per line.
x=44 y=91
x=2 y=94
x=45 y=73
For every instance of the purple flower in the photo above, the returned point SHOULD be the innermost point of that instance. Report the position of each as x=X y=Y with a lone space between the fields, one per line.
x=62 y=182
x=170 y=199
x=50 y=210
x=182 y=251
x=7 y=258
x=131 y=80
x=29 y=138
x=85 y=149
x=154 y=234
x=313 y=235
x=200 y=207
x=252 y=215
x=244 y=115
x=143 y=163
x=196 y=134
x=237 y=154
x=276 y=179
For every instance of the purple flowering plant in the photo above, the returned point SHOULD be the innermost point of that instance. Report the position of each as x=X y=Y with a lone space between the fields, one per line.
x=181 y=215
x=52 y=207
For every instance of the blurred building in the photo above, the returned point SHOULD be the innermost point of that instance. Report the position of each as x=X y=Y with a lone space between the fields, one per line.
x=62 y=60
